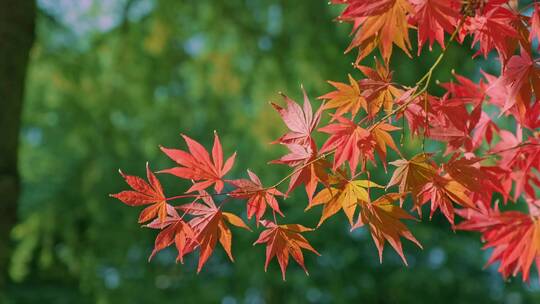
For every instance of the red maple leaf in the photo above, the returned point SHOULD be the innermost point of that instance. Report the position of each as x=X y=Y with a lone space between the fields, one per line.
x=347 y=98
x=362 y=8
x=145 y=193
x=300 y=121
x=433 y=18
x=308 y=168
x=257 y=196
x=450 y=122
x=521 y=158
x=492 y=28
x=519 y=76
x=448 y=113
x=485 y=129
x=414 y=112
x=303 y=150
x=174 y=230
x=466 y=90
x=282 y=240
x=209 y=227
x=499 y=94
x=197 y=165
x=351 y=142
x=442 y=192
x=513 y=235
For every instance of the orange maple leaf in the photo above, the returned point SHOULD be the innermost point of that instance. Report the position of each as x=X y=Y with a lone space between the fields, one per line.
x=381 y=24
x=383 y=138
x=477 y=178
x=442 y=191
x=384 y=220
x=413 y=174
x=282 y=240
x=378 y=89
x=346 y=98
x=209 y=227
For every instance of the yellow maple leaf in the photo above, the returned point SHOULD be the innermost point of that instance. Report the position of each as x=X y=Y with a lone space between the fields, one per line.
x=345 y=196
x=347 y=98
x=412 y=175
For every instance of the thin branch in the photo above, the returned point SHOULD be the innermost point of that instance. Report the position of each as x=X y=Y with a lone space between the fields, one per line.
x=284 y=179
x=425 y=79
x=524 y=144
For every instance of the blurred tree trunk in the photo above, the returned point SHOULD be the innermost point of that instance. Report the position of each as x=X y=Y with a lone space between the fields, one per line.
x=17 y=23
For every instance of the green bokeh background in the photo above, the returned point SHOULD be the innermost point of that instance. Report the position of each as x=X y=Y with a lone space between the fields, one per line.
x=109 y=81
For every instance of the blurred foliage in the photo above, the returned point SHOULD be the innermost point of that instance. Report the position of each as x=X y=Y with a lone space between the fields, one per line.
x=111 y=80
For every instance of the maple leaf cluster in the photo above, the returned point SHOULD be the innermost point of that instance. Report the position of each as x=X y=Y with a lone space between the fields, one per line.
x=481 y=168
